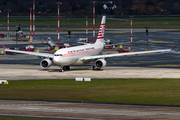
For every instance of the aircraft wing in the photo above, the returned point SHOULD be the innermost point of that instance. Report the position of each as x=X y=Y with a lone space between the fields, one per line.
x=47 y=55
x=125 y=54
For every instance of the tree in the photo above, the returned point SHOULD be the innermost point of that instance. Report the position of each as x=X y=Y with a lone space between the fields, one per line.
x=135 y=9
x=82 y=6
x=99 y=9
x=150 y=9
x=150 y=3
x=74 y=8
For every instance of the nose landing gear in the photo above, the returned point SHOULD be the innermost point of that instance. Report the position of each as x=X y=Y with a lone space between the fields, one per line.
x=64 y=68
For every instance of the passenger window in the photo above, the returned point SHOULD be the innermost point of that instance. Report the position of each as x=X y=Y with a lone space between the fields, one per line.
x=58 y=55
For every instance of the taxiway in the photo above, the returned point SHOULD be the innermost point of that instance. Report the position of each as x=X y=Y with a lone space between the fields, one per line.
x=80 y=111
x=31 y=72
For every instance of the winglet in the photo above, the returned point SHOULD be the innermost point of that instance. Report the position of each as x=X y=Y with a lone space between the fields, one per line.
x=174 y=47
x=4 y=47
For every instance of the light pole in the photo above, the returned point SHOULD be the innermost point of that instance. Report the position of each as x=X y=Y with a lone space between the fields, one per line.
x=147 y=36
x=16 y=38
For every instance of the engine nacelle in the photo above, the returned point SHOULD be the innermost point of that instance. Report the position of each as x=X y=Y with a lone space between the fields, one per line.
x=100 y=63
x=45 y=63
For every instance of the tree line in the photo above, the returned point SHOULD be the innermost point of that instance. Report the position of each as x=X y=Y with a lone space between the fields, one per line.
x=81 y=7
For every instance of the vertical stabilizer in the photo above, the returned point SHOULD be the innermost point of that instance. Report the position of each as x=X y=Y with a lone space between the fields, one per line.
x=100 y=38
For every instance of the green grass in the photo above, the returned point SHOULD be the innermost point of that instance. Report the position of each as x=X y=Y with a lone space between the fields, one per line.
x=130 y=91
x=158 y=22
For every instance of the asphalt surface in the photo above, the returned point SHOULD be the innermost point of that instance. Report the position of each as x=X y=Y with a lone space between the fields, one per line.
x=88 y=111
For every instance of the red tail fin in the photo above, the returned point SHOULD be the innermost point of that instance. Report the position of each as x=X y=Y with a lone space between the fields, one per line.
x=4 y=47
x=100 y=37
x=173 y=47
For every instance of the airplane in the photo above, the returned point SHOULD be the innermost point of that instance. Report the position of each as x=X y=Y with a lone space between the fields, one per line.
x=83 y=54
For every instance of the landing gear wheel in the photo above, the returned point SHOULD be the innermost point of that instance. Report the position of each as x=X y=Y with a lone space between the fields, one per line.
x=66 y=68
x=94 y=67
x=61 y=69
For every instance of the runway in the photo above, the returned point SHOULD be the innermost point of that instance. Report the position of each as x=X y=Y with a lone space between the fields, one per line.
x=80 y=111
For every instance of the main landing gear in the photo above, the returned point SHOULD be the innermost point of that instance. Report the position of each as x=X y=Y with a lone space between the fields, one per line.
x=96 y=68
x=64 y=68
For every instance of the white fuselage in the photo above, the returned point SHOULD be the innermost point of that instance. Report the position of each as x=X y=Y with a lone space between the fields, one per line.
x=71 y=56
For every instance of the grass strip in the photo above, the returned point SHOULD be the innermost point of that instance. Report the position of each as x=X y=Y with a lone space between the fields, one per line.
x=130 y=91
x=157 y=22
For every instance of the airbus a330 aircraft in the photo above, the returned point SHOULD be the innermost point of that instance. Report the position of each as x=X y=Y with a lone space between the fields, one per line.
x=83 y=54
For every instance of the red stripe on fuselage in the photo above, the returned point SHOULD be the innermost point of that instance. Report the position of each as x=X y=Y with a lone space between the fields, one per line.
x=81 y=52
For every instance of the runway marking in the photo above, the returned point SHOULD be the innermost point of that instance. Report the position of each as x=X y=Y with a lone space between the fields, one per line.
x=54 y=68
x=80 y=70
x=157 y=42
x=168 y=65
x=136 y=75
x=176 y=56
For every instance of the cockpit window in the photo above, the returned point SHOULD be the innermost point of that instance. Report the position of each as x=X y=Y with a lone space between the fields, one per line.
x=58 y=55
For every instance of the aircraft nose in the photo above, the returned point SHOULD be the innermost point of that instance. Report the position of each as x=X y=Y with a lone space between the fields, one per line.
x=55 y=59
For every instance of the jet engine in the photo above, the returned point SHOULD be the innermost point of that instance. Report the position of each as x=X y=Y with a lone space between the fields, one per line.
x=99 y=64
x=45 y=63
